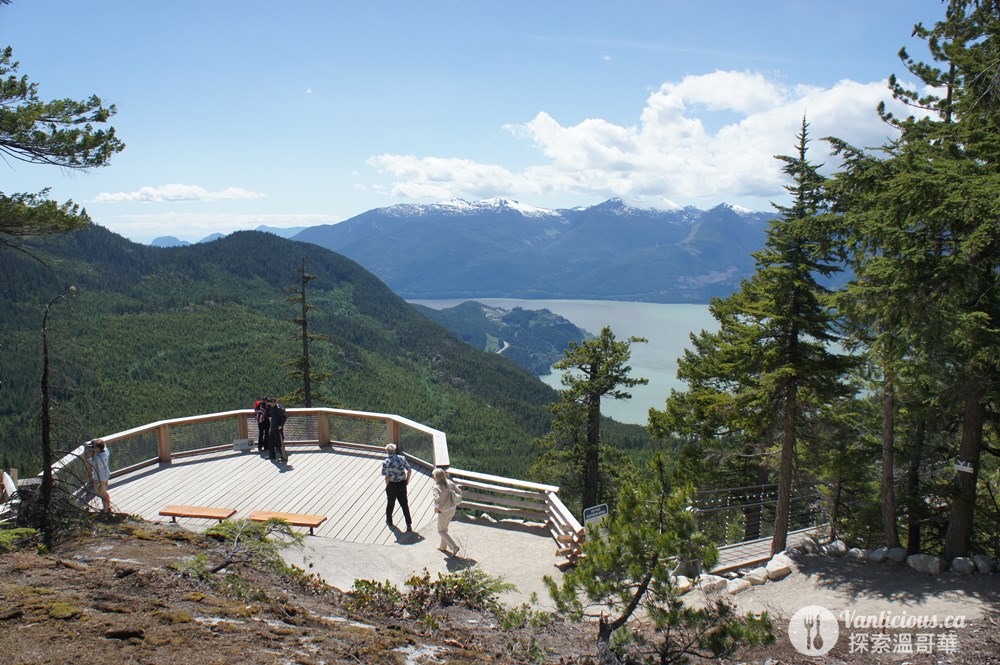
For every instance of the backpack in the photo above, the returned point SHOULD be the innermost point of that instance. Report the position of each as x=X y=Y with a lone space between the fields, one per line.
x=454 y=495
x=279 y=415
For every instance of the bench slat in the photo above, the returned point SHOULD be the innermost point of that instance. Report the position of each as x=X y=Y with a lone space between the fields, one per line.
x=201 y=512
x=311 y=521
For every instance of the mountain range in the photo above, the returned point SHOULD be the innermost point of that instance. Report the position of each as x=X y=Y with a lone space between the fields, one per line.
x=499 y=248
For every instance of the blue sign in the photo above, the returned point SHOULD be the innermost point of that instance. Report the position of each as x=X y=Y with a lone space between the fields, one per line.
x=595 y=513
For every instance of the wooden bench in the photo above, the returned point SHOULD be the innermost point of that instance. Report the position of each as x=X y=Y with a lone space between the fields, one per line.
x=311 y=521
x=173 y=512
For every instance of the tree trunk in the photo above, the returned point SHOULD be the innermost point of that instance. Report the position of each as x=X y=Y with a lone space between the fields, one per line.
x=591 y=473
x=890 y=530
x=914 y=504
x=605 y=656
x=787 y=465
x=959 y=534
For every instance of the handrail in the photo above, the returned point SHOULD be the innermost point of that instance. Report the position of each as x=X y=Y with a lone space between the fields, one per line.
x=161 y=441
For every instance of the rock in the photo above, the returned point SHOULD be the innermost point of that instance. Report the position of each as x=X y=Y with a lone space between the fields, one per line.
x=836 y=548
x=756 y=576
x=925 y=563
x=777 y=568
x=737 y=586
x=810 y=546
x=984 y=564
x=712 y=583
x=857 y=553
x=879 y=555
x=963 y=565
x=785 y=559
x=897 y=554
x=682 y=584
x=690 y=568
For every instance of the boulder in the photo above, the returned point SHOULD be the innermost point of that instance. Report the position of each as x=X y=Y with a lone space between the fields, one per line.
x=689 y=568
x=897 y=554
x=857 y=553
x=777 y=568
x=756 y=576
x=682 y=584
x=963 y=565
x=836 y=548
x=984 y=564
x=809 y=545
x=737 y=586
x=712 y=583
x=879 y=555
x=925 y=563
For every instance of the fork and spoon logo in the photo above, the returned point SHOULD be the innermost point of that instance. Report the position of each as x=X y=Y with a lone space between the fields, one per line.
x=813 y=630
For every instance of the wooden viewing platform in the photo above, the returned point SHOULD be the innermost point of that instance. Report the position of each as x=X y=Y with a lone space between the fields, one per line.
x=197 y=470
x=343 y=485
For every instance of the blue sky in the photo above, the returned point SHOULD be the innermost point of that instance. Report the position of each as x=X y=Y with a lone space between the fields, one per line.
x=238 y=114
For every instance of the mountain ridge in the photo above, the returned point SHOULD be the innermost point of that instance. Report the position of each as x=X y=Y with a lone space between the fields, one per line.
x=503 y=249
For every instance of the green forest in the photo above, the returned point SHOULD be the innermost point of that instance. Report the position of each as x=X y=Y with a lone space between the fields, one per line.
x=153 y=333
x=885 y=391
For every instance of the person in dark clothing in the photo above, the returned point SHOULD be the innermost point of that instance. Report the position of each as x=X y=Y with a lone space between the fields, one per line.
x=263 y=424
x=277 y=416
x=397 y=471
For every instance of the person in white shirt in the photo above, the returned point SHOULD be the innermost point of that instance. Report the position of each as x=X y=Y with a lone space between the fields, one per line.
x=447 y=496
x=98 y=458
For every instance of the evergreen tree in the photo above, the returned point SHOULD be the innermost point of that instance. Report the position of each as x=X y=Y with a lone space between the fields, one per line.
x=770 y=367
x=629 y=567
x=300 y=367
x=57 y=133
x=596 y=369
x=920 y=221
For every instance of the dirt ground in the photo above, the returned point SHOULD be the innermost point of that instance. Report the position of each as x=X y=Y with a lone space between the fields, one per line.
x=113 y=596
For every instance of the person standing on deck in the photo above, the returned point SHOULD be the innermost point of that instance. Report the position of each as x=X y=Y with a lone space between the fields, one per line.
x=447 y=497
x=98 y=458
x=397 y=471
x=263 y=424
x=277 y=415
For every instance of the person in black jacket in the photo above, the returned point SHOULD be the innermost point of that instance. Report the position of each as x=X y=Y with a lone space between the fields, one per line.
x=263 y=424
x=276 y=437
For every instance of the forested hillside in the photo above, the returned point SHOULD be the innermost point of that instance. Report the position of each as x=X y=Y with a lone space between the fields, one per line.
x=153 y=333
x=534 y=339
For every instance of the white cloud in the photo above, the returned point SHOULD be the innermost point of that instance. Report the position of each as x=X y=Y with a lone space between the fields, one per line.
x=176 y=192
x=702 y=140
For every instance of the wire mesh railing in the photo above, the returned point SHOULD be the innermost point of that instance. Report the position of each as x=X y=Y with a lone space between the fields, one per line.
x=738 y=514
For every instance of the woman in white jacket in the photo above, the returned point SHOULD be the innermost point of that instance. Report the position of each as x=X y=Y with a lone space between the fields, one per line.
x=447 y=496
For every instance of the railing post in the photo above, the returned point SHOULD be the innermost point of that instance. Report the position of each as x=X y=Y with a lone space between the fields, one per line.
x=241 y=427
x=13 y=476
x=322 y=428
x=392 y=434
x=163 y=443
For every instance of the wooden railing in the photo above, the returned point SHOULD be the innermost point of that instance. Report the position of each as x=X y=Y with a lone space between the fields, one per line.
x=166 y=440
x=507 y=497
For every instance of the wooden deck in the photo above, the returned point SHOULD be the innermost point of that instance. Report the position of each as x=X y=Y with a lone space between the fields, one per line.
x=345 y=485
x=757 y=552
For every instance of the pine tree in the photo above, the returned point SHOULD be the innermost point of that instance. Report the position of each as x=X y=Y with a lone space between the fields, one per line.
x=920 y=223
x=770 y=365
x=597 y=368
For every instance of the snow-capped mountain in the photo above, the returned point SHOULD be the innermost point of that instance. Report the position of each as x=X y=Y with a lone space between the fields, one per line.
x=502 y=248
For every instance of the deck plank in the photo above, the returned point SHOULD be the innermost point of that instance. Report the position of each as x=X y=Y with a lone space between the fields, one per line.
x=344 y=485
